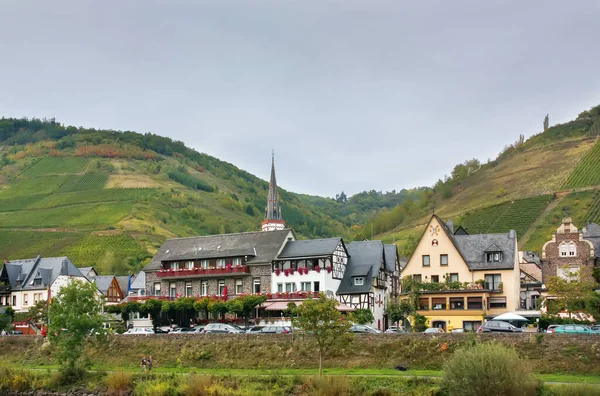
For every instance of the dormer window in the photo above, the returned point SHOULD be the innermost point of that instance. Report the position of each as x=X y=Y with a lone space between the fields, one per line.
x=493 y=257
x=189 y=265
x=237 y=261
x=359 y=281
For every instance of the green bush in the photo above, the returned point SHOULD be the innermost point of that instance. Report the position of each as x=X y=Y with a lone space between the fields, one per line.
x=119 y=383
x=488 y=369
x=197 y=385
x=571 y=390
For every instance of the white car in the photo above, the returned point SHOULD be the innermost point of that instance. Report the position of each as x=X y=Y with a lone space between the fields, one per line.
x=140 y=331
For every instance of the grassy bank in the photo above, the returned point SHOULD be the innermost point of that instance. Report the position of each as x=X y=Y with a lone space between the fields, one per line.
x=547 y=354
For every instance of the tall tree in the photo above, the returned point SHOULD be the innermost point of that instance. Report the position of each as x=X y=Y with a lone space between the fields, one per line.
x=75 y=315
x=153 y=308
x=244 y=305
x=363 y=316
x=546 y=122
x=320 y=318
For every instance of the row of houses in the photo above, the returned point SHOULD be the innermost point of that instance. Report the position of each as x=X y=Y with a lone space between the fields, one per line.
x=462 y=278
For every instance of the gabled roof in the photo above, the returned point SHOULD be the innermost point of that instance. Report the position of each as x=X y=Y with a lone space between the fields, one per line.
x=310 y=248
x=103 y=282
x=493 y=248
x=473 y=248
x=139 y=282
x=123 y=282
x=264 y=246
x=391 y=255
x=86 y=271
x=365 y=260
x=46 y=269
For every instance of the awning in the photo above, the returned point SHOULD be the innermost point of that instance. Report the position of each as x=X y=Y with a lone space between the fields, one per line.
x=510 y=316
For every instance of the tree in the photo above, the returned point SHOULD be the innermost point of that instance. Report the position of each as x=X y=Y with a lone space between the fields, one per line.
x=244 y=305
x=399 y=311
x=39 y=312
x=572 y=293
x=202 y=306
x=363 y=316
x=217 y=308
x=546 y=122
x=153 y=308
x=320 y=318
x=291 y=310
x=75 y=314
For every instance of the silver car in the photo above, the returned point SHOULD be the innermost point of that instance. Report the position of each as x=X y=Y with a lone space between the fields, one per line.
x=222 y=328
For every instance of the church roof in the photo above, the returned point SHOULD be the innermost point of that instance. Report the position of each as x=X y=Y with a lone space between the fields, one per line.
x=273 y=209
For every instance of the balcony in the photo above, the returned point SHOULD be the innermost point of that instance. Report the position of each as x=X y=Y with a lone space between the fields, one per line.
x=203 y=272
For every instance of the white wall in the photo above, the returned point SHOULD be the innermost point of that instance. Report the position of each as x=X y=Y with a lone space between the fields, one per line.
x=326 y=282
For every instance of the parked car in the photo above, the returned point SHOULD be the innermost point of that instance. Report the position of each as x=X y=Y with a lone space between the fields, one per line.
x=575 y=329
x=181 y=330
x=140 y=331
x=275 y=330
x=198 y=330
x=160 y=331
x=254 y=329
x=395 y=330
x=551 y=328
x=364 y=329
x=434 y=330
x=457 y=331
x=595 y=327
x=498 y=326
x=222 y=328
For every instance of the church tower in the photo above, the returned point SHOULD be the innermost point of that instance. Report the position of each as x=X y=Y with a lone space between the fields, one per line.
x=273 y=220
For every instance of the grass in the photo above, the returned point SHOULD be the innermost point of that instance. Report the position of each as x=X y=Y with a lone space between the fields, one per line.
x=28 y=187
x=28 y=244
x=587 y=171
x=56 y=166
x=91 y=215
x=593 y=213
x=576 y=205
x=516 y=215
x=18 y=203
x=91 y=196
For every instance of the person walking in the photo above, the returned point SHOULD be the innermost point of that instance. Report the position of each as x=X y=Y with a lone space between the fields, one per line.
x=149 y=362
x=143 y=363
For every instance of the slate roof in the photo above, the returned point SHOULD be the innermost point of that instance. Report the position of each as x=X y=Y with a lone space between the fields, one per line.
x=48 y=269
x=86 y=270
x=365 y=260
x=592 y=233
x=473 y=248
x=259 y=246
x=402 y=261
x=103 y=282
x=139 y=282
x=123 y=282
x=310 y=248
x=391 y=254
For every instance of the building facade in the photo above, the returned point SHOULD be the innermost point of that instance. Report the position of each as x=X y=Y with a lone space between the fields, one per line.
x=463 y=279
x=25 y=282
x=569 y=251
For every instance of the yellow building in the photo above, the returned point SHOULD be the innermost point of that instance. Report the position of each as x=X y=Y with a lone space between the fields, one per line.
x=464 y=278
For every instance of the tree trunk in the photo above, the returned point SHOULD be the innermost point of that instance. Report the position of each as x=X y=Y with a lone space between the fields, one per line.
x=320 y=363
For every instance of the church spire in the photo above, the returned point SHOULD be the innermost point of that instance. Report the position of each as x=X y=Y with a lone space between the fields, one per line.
x=273 y=219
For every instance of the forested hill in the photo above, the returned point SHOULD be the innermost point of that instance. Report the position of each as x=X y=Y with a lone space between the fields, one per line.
x=109 y=198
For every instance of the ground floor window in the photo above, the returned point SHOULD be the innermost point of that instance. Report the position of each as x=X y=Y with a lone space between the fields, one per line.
x=438 y=303
x=497 y=302
x=280 y=288
x=305 y=286
x=173 y=290
x=188 y=289
x=204 y=288
x=239 y=286
x=221 y=287
x=471 y=325
x=290 y=287
x=474 y=303
x=157 y=289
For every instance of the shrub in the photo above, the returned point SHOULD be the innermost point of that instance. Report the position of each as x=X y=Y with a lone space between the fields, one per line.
x=571 y=390
x=197 y=385
x=119 y=383
x=488 y=369
x=155 y=388
x=329 y=386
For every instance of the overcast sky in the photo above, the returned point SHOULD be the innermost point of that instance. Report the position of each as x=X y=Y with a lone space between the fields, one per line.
x=351 y=94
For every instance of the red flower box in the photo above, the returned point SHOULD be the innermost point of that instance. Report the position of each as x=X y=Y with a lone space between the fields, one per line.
x=277 y=271
x=286 y=272
x=317 y=268
x=329 y=269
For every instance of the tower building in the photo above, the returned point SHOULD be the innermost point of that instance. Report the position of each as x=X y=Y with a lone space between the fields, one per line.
x=273 y=219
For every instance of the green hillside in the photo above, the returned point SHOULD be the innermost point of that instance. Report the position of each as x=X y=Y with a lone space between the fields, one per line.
x=110 y=199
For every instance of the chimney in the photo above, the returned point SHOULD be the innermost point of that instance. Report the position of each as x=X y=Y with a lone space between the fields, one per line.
x=64 y=268
x=512 y=234
x=450 y=225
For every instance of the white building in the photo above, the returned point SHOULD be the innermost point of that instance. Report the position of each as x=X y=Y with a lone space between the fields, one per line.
x=25 y=282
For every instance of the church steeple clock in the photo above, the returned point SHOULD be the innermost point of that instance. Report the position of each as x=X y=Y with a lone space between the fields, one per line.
x=273 y=219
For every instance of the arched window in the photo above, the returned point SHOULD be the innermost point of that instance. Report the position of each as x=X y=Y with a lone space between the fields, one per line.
x=563 y=250
x=572 y=251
